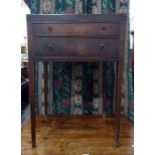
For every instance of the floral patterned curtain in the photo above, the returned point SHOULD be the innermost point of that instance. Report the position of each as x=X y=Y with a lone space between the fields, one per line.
x=76 y=88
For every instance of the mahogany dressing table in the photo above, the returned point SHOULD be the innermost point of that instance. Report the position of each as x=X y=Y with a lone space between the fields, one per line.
x=66 y=38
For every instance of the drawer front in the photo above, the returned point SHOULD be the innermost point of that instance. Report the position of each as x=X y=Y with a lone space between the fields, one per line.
x=76 y=29
x=75 y=47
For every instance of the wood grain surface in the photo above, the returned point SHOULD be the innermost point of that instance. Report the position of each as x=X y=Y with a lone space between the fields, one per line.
x=77 y=135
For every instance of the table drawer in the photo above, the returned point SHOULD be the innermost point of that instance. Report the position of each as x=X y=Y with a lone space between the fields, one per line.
x=76 y=29
x=72 y=47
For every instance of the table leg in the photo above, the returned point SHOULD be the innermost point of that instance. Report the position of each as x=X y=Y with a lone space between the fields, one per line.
x=104 y=88
x=46 y=86
x=32 y=101
x=119 y=76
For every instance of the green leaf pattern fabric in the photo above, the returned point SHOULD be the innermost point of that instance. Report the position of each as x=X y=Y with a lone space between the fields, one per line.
x=64 y=6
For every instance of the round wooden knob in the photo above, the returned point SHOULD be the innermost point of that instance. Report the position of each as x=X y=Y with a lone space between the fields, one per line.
x=49 y=29
x=50 y=47
x=102 y=46
x=104 y=28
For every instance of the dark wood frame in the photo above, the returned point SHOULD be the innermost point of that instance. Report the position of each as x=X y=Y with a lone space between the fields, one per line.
x=119 y=59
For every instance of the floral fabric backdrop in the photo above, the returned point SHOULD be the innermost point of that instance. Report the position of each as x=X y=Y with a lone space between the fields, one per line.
x=83 y=87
